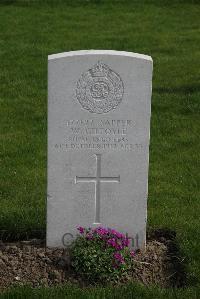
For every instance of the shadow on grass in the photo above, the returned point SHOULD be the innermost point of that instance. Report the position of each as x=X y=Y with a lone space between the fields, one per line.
x=188 y=89
x=21 y=235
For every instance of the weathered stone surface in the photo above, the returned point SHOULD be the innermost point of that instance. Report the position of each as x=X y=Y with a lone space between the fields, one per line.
x=98 y=143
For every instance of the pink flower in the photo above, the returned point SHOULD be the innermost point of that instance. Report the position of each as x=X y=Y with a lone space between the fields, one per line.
x=111 y=242
x=117 y=234
x=101 y=231
x=115 y=243
x=132 y=253
x=119 y=257
x=89 y=236
x=118 y=246
x=126 y=242
x=81 y=229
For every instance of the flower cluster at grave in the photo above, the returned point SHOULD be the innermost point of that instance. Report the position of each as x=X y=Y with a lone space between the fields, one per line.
x=102 y=254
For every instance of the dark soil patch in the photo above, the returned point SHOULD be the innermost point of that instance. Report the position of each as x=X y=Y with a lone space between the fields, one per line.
x=177 y=263
x=30 y=262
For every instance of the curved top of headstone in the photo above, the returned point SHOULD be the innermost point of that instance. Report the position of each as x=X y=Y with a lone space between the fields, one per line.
x=99 y=52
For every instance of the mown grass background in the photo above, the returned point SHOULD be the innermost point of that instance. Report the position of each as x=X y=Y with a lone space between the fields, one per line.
x=169 y=31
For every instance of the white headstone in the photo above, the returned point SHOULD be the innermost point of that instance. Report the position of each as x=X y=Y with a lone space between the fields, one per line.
x=99 y=106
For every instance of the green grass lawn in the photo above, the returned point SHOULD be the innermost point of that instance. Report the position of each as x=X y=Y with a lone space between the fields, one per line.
x=169 y=31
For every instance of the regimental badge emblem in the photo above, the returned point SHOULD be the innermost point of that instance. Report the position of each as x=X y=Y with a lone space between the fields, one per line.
x=100 y=89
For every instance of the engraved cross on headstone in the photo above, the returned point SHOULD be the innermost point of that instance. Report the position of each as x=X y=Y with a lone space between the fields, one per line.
x=98 y=179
